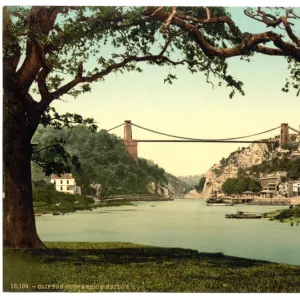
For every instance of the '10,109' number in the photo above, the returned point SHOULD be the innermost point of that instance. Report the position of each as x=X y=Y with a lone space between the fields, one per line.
x=17 y=286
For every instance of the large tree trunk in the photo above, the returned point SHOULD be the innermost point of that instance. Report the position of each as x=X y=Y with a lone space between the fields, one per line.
x=19 y=230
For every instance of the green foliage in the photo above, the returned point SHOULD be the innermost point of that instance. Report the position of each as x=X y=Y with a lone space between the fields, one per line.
x=58 y=121
x=103 y=159
x=240 y=185
x=44 y=192
x=103 y=36
x=293 y=81
x=199 y=187
x=54 y=158
x=288 y=213
x=290 y=147
x=218 y=172
x=292 y=167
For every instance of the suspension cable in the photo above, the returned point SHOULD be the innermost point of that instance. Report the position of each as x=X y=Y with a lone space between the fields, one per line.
x=115 y=127
x=188 y=138
x=294 y=129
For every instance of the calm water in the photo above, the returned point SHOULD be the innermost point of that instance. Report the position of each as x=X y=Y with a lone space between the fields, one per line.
x=181 y=223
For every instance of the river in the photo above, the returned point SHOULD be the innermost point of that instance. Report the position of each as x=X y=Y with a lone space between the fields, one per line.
x=180 y=223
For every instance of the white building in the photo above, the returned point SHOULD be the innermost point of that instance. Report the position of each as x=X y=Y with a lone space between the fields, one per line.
x=294 y=188
x=65 y=183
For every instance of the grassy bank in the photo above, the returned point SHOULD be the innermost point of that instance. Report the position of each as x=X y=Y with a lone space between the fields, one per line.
x=290 y=215
x=44 y=208
x=124 y=267
x=47 y=200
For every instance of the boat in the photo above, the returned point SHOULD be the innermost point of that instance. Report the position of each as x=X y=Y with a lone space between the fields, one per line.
x=243 y=215
x=214 y=201
x=38 y=215
x=219 y=204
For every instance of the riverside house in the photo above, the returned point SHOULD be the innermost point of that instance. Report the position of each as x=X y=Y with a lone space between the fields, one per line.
x=65 y=183
x=294 y=188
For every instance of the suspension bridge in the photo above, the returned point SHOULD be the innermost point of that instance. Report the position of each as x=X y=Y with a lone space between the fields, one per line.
x=132 y=144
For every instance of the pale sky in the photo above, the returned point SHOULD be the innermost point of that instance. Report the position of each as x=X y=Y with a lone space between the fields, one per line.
x=190 y=107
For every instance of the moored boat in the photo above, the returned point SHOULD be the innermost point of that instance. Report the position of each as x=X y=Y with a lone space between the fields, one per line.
x=243 y=215
x=214 y=201
x=219 y=204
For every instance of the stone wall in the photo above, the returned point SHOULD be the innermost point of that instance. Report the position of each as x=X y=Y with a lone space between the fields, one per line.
x=295 y=201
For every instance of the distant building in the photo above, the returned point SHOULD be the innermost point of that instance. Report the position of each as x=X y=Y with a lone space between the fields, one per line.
x=65 y=183
x=273 y=182
x=294 y=188
x=266 y=194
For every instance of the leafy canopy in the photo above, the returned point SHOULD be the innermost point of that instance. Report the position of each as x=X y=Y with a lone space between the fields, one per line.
x=68 y=48
x=103 y=159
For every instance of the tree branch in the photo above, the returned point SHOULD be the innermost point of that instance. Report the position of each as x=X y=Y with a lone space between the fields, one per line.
x=50 y=146
x=270 y=51
x=169 y=20
x=11 y=52
x=208 y=14
x=157 y=59
x=40 y=21
x=263 y=17
x=38 y=163
x=248 y=43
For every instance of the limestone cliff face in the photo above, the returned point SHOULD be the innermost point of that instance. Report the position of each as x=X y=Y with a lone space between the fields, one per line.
x=228 y=168
x=175 y=187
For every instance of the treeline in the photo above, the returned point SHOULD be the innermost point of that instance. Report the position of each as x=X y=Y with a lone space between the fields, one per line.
x=240 y=185
x=292 y=167
x=199 y=187
x=102 y=159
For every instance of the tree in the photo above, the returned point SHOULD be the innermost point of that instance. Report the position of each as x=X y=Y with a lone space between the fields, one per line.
x=294 y=170
x=47 y=50
x=240 y=185
x=228 y=186
x=200 y=186
x=103 y=159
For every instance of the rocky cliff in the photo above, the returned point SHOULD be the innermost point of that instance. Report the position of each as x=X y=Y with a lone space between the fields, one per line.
x=191 y=180
x=176 y=187
x=228 y=167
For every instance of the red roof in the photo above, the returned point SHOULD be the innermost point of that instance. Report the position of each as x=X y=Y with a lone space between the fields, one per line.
x=62 y=176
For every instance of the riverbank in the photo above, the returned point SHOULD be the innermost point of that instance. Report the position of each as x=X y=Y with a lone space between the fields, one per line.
x=139 y=198
x=126 y=267
x=41 y=208
x=290 y=215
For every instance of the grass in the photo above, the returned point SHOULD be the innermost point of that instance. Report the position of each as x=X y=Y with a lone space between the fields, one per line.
x=290 y=215
x=126 y=267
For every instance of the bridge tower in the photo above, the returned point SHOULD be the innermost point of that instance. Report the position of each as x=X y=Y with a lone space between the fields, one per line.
x=130 y=144
x=284 y=134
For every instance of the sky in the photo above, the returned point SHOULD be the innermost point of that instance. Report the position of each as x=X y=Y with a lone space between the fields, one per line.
x=191 y=107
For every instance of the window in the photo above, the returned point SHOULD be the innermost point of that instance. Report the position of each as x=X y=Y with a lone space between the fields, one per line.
x=54 y=181
x=67 y=181
x=61 y=182
x=61 y=188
